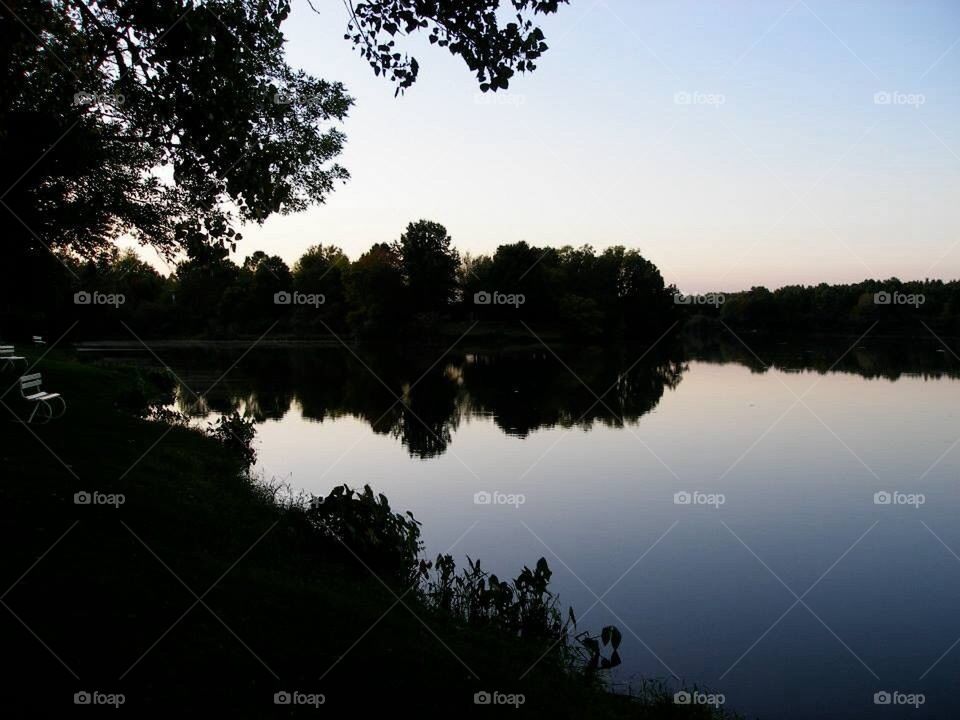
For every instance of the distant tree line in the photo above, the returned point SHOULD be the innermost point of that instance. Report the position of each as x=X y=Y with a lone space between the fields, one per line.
x=420 y=287
x=897 y=307
x=415 y=287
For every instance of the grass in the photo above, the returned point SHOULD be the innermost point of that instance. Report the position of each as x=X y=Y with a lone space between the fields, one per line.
x=198 y=596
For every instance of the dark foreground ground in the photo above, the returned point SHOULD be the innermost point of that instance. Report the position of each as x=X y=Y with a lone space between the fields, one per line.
x=197 y=596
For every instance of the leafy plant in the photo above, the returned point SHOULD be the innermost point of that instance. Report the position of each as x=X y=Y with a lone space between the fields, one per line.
x=389 y=545
x=236 y=433
x=523 y=607
x=593 y=645
x=385 y=542
x=159 y=412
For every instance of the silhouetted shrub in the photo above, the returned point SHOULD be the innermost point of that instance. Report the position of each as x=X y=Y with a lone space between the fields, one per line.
x=237 y=434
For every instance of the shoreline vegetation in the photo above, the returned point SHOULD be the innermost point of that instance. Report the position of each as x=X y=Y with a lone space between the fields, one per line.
x=188 y=583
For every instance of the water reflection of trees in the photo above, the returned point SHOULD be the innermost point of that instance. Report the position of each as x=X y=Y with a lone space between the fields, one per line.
x=868 y=357
x=531 y=391
x=422 y=404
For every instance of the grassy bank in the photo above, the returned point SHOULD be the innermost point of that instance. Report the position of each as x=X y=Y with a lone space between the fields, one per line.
x=202 y=594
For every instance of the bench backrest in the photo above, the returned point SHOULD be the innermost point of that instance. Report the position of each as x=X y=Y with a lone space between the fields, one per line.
x=28 y=382
x=6 y=349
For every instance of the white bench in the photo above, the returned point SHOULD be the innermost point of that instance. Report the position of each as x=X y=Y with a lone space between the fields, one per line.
x=40 y=398
x=8 y=359
x=37 y=340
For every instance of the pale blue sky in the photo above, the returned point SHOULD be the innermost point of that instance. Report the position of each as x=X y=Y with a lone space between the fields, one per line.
x=799 y=176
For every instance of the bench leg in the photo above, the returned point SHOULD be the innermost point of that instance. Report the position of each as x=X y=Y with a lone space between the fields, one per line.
x=49 y=412
x=63 y=409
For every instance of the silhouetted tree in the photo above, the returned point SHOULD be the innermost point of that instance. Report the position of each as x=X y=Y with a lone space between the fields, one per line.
x=644 y=304
x=251 y=301
x=100 y=94
x=202 y=282
x=375 y=290
x=429 y=263
x=186 y=86
x=617 y=294
x=322 y=271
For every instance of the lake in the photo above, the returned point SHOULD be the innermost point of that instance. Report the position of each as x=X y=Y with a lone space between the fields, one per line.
x=776 y=523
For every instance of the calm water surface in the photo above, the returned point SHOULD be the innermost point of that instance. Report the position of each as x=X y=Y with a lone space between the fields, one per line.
x=799 y=596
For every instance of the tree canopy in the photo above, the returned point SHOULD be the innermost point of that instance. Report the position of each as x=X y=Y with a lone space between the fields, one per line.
x=469 y=28
x=429 y=263
x=173 y=121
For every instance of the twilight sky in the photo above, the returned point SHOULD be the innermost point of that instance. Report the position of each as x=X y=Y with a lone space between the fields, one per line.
x=734 y=144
